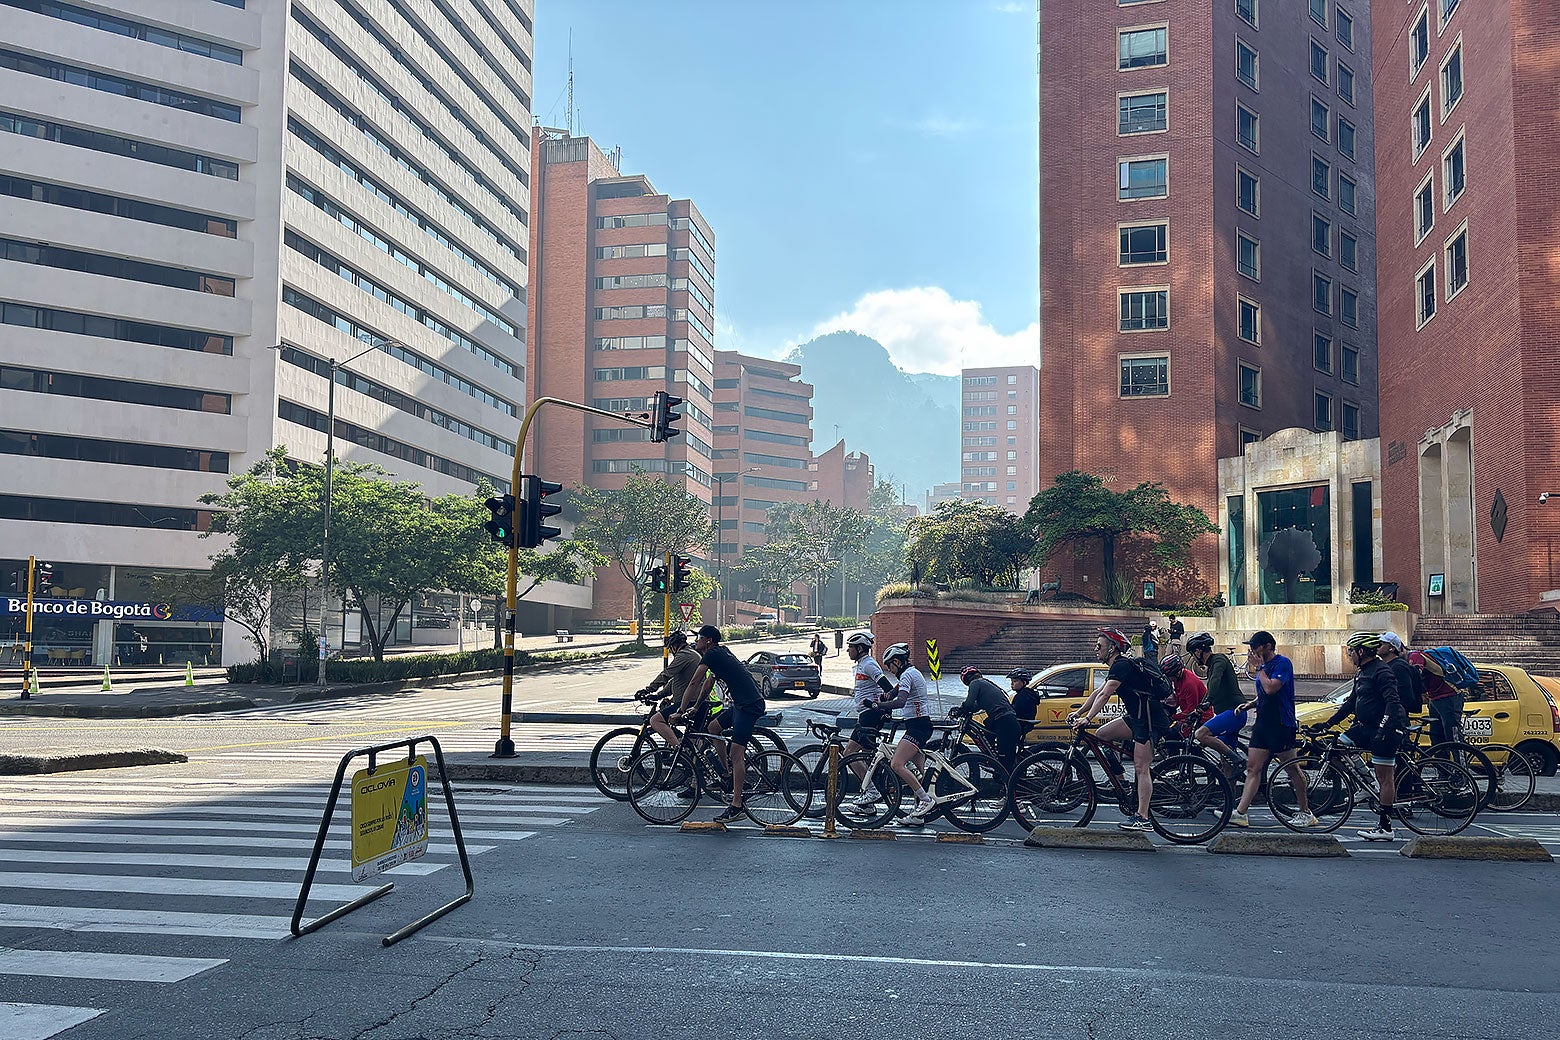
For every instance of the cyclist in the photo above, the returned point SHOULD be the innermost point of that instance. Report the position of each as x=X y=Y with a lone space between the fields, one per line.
x=1224 y=699
x=869 y=687
x=915 y=707
x=674 y=677
x=1445 y=700
x=1189 y=693
x=1274 y=733
x=985 y=695
x=1379 y=722
x=747 y=705
x=1144 y=721
x=1410 y=682
x=1026 y=702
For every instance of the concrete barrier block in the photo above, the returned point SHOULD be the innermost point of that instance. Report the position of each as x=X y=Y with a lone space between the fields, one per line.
x=778 y=831
x=866 y=835
x=1457 y=846
x=703 y=827
x=1087 y=838
x=960 y=838
x=1276 y=843
x=65 y=762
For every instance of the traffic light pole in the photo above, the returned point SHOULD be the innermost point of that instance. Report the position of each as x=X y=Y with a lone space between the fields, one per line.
x=505 y=748
x=32 y=567
x=666 y=609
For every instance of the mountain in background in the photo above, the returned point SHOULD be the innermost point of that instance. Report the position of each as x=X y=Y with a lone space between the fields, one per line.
x=906 y=422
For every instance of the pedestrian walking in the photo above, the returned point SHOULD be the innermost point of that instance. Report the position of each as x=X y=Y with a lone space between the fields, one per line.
x=1274 y=734
x=817 y=652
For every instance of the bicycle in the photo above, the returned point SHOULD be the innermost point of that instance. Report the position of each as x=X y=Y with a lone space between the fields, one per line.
x=1435 y=796
x=814 y=757
x=618 y=748
x=1507 y=785
x=970 y=788
x=1191 y=801
x=666 y=784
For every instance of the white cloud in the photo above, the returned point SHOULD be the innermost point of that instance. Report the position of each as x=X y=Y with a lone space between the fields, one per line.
x=926 y=330
x=1012 y=8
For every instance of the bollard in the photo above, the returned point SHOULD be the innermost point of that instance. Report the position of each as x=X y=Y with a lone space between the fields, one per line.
x=189 y=673
x=831 y=788
x=108 y=682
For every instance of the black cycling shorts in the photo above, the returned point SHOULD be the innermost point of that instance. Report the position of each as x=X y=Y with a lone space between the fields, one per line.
x=870 y=721
x=918 y=731
x=1005 y=735
x=1148 y=730
x=743 y=720
x=1272 y=737
x=1382 y=743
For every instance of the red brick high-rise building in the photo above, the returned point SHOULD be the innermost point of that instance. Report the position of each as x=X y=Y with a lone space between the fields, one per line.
x=1000 y=431
x=622 y=305
x=1207 y=214
x=1468 y=279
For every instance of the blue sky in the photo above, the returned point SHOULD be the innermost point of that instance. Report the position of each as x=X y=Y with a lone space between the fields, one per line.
x=865 y=164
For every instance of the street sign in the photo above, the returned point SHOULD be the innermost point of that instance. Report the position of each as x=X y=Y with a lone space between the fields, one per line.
x=933 y=661
x=476 y=606
x=389 y=817
x=687 y=611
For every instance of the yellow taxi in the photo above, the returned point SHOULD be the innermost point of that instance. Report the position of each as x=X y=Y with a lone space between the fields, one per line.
x=1509 y=706
x=1063 y=688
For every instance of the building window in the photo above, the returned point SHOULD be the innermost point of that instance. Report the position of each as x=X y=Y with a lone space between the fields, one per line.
x=1321 y=177
x=1351 y=421
x=1321 y=292
x=1351 y=365
x=1348 y=194
x=1248 y=129
x=1318 y=61
x=1348 y=251
x=1346 y=83
x=1424 y=209
x=1424 y=285
x=1012 y=424
x=1248 y=256
x=1320 y=119
x=1145 y=376
x=1448 y=8
x=1419 y=43
x=1319 y=12
x=1321 y=411
x=1451 y=80
x=1248 y=194
x=1247 y=436
x=1345 y=28
x=1142 y=113
x=1321 y=235
x=1142 y=48
x=1247 y=10
x=1249 y=320
x=1246 y=64
x=1457 y=262
x=1250 y=385
x=1145 y=243
x=1012 y=380
x=1142 y=179
x=1454 y=172
x=1349 y=307
x=1421 y=127
x=1322 y=352
x=1346 y=138
x=1145 y=310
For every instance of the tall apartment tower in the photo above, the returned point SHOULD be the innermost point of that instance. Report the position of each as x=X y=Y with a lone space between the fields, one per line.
x=1470 y=373
x=201 y=205
x=622 y=305
x=1207 y=213
x=1000 y=429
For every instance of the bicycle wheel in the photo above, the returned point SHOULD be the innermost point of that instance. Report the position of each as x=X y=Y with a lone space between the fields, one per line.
x=1444 y=797
x=882 y=784
x=815 y=760
x=1329 y=793
x=776 y=790
x=987 y=807
x=1516 y=781
x=1472 y=759
x=663 y=785
x=1191 y=801
x=766 y=739
x=611 y=757
x=1049 y=789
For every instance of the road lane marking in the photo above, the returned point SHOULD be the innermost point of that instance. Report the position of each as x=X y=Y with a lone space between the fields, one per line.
x=115 y=967
x=223 y=841
x=142 y=922
x=194 y=860
x=342 y=825
x=21 y=813
x=41 y=1021
x=172 y=886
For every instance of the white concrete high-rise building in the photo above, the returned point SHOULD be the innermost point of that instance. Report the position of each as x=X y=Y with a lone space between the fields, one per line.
x=187 y=185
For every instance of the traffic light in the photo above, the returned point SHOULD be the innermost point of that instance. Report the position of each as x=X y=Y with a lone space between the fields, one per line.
x=657 y=580
x=680 y=567
x=534 y=509
x=502 y=526
x=662 y=417
x=44 y=576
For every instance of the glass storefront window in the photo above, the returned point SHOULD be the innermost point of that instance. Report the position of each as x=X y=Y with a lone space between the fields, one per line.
x=1294 y=539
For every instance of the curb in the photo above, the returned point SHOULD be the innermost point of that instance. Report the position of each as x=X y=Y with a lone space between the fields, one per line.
x=27 y=765
x=1512 y=850
x=702 y=827
x=874 y=835
x=126 y=711
x=1084 y=838
x=518 y=772
x=1236 y=843
x=959 y=838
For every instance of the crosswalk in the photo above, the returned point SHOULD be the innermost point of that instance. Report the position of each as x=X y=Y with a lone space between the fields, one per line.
x=114 y=886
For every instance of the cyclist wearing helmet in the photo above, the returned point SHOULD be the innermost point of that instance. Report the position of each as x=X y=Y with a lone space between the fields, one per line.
x=985 y=695
x=674 y=677
x=1224 y=700
x=1189 y=692
x=870 y=684
x=1026 y=702
x=1379 y=721
x=1273 y=734
x=915 y=707
x=1144 y=721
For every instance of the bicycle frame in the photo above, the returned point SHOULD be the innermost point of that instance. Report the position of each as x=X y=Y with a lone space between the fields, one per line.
x=935 y=762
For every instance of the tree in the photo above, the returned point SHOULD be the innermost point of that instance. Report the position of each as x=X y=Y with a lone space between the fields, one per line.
x=772 y=566
x=821 y=535
x=636 y=526
x=700 y=588
x=1079 y=511
x=243 y=596
x=882 y=559
x=968 y=541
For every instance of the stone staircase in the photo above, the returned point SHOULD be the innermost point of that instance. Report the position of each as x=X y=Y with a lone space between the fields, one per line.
x=1527 y=641
x=1035 y=645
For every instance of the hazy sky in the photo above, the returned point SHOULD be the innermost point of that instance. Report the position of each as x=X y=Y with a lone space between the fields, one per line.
x=865 y=164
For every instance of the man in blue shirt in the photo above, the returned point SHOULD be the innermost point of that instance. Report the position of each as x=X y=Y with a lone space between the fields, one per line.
x=1273 y=734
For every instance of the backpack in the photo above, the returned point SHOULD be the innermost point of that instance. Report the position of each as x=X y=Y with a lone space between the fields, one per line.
x=1457 y=669
x=1151 y=681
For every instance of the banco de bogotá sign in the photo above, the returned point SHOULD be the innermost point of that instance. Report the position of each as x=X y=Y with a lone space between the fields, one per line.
x=109 y=610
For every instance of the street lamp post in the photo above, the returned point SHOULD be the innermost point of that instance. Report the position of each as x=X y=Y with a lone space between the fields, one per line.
x=720 y=556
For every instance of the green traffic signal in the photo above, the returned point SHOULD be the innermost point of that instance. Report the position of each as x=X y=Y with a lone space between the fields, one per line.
x=502 y=525
x=657 y=580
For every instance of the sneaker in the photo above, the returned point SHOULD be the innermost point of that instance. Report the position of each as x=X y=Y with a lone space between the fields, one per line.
x=923 y=806
x=910 y=820
x=1240 y=819
x=1304 y=819
x=732 y=814
x=1135 y=823
x=1377 y=833
x=866 y=801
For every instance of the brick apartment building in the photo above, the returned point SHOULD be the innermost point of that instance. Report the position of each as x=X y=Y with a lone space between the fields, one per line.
x=1207 y=213
x=622 y=305
x=844 y=478
x=1000 y=430
x=1470 y=372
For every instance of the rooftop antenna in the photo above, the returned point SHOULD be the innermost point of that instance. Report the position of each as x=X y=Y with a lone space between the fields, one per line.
x=571 y=83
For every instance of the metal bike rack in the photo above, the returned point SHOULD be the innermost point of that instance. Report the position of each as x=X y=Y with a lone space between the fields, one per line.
x=299 y=928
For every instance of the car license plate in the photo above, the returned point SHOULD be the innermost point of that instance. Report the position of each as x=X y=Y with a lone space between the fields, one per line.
x=800 y=682
x=1478 y=726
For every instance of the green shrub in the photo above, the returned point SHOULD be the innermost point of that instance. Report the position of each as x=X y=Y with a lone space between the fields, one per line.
x=1371 y=608
x=1370 y=597
x=839 y=622
x=904 y=590
x=783 y=629
x=741 y=632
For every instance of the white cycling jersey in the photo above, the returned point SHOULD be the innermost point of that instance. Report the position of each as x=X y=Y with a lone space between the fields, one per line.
x=918 y=701
x=866 y=691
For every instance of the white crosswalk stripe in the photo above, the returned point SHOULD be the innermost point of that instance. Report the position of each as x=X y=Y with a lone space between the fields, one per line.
x=184 y=867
